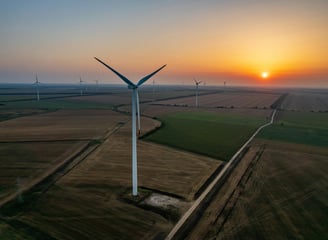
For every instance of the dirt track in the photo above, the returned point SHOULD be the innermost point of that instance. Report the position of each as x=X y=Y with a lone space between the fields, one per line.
x=209 y=224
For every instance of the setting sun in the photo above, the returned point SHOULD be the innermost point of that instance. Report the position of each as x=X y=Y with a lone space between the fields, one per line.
x=265 y=74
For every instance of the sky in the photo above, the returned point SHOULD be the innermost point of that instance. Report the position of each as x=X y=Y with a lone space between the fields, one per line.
x=214 y=41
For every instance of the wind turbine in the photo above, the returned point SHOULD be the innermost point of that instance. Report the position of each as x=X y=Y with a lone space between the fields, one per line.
x=37 y=87
x=197 y=83
x=97 y=85
x=81 y=90
x=135 y=104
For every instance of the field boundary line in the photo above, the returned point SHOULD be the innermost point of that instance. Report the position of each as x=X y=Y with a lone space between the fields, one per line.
x=210 y=187
x=43 y=176
x=60 y=169
x=49 y=141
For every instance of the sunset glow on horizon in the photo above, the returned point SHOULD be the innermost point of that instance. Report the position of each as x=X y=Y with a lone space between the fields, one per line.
x=214 y=40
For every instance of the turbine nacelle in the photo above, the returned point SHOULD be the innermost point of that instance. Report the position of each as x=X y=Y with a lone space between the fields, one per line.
x=132 y=87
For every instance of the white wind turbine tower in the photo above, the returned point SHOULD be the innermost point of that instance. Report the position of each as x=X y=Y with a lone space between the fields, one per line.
x=135 y=104
x=197 y=83
x=81 y=90
x=37 y=87
x=97 y=85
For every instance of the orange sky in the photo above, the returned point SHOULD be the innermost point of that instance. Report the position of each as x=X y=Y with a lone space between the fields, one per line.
x=215 y=41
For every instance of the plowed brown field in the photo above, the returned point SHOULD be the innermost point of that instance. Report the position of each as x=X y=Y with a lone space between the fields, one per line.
x=227 y=99
x=306 y=102
x=60 y=125
x=33 y=145
x=283 y=196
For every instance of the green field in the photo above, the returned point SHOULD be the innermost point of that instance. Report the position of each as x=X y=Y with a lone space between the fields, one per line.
x=299 y=127
x=212 y=134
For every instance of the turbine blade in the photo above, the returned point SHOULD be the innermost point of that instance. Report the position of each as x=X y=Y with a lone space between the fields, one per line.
x=144 y=79
x=138 y=111
x=117 y=73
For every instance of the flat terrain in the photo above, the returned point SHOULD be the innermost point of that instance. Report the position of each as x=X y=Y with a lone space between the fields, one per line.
x=306 y=101
x=278 y=190
x=91 y=200
x=33 y=145
x=21 y=163
x=282 y=195
x=60 y=125
x=285 y=197
x=299 y=127
x=283 y=191
x=6 y=114
x=207 y=133
x=227 y=100
x=160 y=168
x=88 y=202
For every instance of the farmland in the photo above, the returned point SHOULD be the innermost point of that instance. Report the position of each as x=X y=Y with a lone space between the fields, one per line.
x=306 y=101
x=31 y=146
x=85 y=202
x=233 y=99
x=90 y=196
x=66 y=103
x=60 y=125
x=299 y=127
x=216 y=135
x=283 y=192
x=281 y=196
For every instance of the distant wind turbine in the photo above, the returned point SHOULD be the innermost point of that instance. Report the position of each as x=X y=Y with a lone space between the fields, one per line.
x=97 y=85
x=135 y=104
x=81 y=89
x=197 y=83
x=37 y=87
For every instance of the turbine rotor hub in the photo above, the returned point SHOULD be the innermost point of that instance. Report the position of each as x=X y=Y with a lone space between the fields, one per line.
x=132 y=87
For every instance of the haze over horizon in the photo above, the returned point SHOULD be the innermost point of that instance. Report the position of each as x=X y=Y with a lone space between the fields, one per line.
x=214 y=41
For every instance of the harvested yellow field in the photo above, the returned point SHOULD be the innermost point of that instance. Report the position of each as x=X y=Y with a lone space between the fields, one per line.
x=88 y=201
x=60 y=125
x=161 y=168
